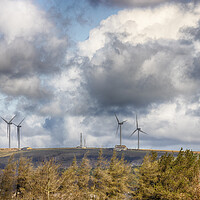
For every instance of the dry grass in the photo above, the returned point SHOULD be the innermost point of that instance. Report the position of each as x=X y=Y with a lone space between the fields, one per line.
x=7 y=152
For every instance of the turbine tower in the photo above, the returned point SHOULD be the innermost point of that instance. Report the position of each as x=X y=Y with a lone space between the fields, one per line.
x=81 y=140
x=85 y=142
x=119 y=126
x=138 y=130
x=18 y=132
x=8 y=127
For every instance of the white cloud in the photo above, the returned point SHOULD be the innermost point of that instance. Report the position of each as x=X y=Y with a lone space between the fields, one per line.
x=22 y=19
x=29 y=87
x=30 y=47
x=138 y=26
x=143 y=59
x=138 y=60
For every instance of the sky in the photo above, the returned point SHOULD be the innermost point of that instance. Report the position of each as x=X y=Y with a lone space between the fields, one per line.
x=69 y=66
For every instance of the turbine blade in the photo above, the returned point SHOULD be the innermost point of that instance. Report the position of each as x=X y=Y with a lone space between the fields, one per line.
x=143 y=132
x=14 y=124
x=124 y=121
x=4 y=120
x=117 y=129
x=21 y=122
x=117 y=118
x=133 y=132
x=12 y=119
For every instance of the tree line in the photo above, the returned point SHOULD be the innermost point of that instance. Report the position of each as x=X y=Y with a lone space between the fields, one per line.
x=167 y=177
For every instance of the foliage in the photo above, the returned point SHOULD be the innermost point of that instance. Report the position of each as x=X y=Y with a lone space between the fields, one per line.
x=24 y=179
x=46 y=181
x=101 y=178
x=168 y=178
x=69 y=188
x=8 y=180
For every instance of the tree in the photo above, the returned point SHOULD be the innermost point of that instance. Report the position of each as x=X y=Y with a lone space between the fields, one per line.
x=84 y=178
x=24 y=178
x=69 y=187
x=119 y=172
x=101 y=178
x=46 y=181
x=169 y=177
x=8 y=179
x=147 y=178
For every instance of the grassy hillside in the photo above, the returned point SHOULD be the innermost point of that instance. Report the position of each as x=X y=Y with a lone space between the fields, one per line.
x=65 y=156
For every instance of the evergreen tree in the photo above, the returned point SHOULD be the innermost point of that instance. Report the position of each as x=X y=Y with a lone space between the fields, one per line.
x=8 y=179
x=69 y=187
x=84 y=178
x=169 y=178
x=46 y=181
x=119 y=173
x=101 y=178
x=24 y=179
x=147 y=178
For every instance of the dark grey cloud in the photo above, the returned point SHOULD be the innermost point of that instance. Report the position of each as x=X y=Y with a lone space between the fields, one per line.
x=55 y=126
x=135 y=3
x=192 y=33
x=126 y=3
x=136 y=75
x=24 y=58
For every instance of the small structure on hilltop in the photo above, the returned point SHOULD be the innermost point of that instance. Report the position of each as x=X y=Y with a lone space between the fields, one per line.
x=26 y=148
x=120 y=148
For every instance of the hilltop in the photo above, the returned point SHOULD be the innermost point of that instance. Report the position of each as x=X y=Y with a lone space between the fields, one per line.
x=64 y=156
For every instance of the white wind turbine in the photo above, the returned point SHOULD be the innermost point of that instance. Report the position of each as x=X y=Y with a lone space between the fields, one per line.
x=119 y=126
x=9 y=123
x=18 y=131
x=138 y=130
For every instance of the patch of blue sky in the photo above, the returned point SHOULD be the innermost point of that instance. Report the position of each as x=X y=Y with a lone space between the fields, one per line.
x=76 y=18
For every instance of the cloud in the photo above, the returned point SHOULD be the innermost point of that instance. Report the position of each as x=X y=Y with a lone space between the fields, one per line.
x=32 y=52
x=141 y=59
x=132 y=3
x=138 y=26
x=29 y=87
x=138 y=57
x=29 y=47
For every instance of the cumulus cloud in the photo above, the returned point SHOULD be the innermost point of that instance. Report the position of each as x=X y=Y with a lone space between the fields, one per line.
x=141 y=59
x=32 y=51
x=29 y=47
x=138 y=57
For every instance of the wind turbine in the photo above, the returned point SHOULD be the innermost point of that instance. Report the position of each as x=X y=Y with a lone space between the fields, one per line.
x=18 y=131
x=8 y=127
x=119 y=126
x=138 y=130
